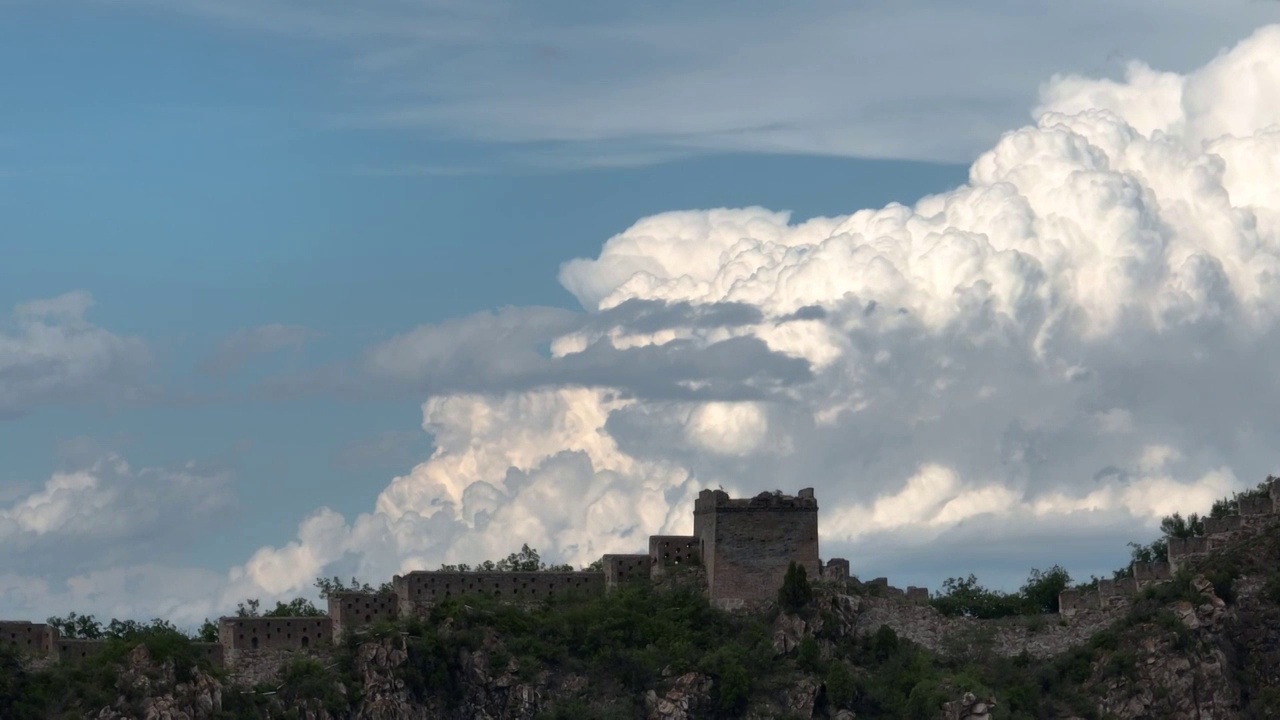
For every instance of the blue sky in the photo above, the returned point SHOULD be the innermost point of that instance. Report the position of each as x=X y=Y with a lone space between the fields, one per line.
x=255 y=194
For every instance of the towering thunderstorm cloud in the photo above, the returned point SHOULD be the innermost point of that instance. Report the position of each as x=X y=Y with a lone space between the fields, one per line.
x=1080 y=339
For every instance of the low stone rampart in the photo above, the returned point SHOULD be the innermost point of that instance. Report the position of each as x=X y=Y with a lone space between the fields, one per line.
x=1153 y=572
x=354 y=610
x=1039 y=636
x=673 y=550
x=77 y=649
x=238 y=634
x=28 y=637
x=211 y=652
x=620 y=569
x=836 y=570
x=419 y=591
x=1183 y=550
x=1254 y=505
x=1221 y=525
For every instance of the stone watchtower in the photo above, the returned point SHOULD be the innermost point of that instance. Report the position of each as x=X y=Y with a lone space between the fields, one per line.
x=748 y=543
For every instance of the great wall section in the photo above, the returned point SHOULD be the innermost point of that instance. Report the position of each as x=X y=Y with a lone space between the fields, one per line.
x=740 y=548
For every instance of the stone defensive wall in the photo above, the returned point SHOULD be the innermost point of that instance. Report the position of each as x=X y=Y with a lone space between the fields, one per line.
x=273 y=633
x=748 y=543
x=353 y=610
x=744 y=545
x=672 y=551
x=1145 y=574
x=835 y=570
x=419 y=591
x=1256 y=512
x=913 y=595
x=1039 y=636
x=74 y=650
x=624 y=568
x=28 y=637
x=211 y=651
x=43 y=643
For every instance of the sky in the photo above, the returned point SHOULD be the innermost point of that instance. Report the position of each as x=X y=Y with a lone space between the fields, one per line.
x=297 y=289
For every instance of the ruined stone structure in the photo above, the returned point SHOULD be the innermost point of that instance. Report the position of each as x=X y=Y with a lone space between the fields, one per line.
x=747 y=544
x=1145 y=574
x=1256 y=512
x=418 y=591
x=880 y=586
x=353 y=610
x=71 y=650
x=836 y=569
x=620 y=569
x=669 y=551
x=28 y=637
x=238 y=634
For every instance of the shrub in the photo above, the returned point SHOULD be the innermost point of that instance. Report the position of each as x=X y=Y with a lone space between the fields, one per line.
x=809 y=655
x=1043 y=587
x=965 y=597
x=840 y=685
x=795 y=592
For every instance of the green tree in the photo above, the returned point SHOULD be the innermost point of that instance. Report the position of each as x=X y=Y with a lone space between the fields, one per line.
x=795 y=592
x=966 y=598
x=74 y=626
x=526 y=559
x=1043 y=587
x=297 y=607
x=334 y=585
x=1177 y=526
x=840 y=685
x=208 y=631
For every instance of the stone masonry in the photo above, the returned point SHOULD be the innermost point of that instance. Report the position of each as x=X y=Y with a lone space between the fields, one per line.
x=747 y=544
x=353 y=610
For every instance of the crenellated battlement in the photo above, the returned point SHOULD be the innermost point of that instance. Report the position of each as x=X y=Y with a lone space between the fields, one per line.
x=709 y=501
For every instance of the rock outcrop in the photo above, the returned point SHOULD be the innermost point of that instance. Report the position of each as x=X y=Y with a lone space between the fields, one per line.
x=152 y=691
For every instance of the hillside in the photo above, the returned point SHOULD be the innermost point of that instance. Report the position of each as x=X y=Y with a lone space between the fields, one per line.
x=1204 y=643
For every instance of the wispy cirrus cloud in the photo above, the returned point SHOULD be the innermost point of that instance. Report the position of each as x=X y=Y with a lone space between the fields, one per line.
x=243 y=345
x=645 y=83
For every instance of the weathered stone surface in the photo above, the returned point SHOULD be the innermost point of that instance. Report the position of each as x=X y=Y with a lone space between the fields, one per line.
x=252 y=667
x=687 y=699
x=748 y=543
x=788 y=631
x=162 y=697
x=969 y=707
x=1038 y=636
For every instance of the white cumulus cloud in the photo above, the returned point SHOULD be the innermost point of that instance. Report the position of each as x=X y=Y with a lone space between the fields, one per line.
x=51 y=354
x=1077 y=341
